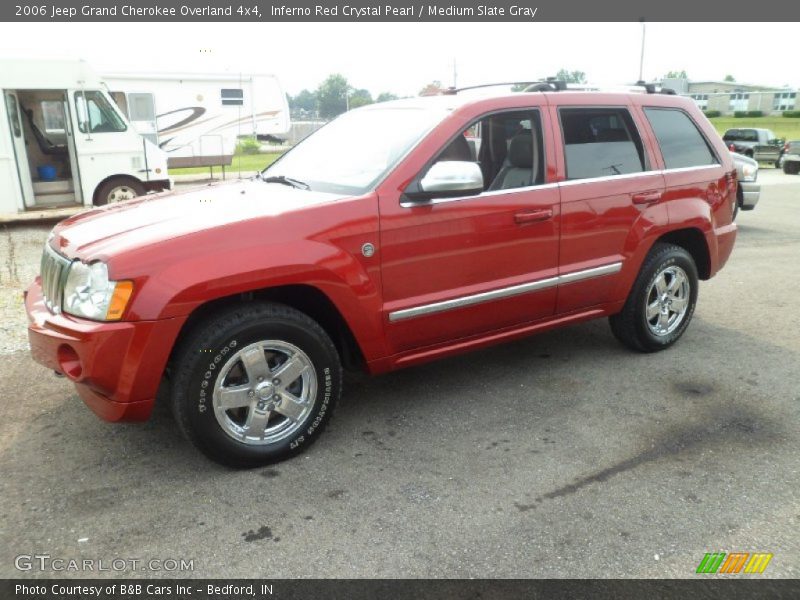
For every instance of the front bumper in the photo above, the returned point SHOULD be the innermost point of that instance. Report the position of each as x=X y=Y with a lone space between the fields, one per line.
x=751 y=192
x=116 y=367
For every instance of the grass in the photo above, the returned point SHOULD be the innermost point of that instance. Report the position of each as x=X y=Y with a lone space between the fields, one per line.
x=788 y=129
x=241 y=162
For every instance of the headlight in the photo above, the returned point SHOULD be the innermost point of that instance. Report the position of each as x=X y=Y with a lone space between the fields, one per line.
x=749 y=172
x=89 y=293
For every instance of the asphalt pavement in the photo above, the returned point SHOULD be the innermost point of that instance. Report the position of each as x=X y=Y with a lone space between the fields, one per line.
x=563 y=455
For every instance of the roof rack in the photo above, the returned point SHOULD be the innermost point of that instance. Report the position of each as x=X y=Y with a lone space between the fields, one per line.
x=650 y=88
x=551 y=84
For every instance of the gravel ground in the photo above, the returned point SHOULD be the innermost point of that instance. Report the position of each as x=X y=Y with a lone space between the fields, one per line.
x=20 y=252
x=563 y=455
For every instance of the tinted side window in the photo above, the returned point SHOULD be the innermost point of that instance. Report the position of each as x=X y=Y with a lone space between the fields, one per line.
x=601 y=142
x=232 y=96
x=682 y=144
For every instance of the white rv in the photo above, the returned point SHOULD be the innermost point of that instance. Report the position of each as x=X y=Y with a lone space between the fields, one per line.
x=197 y=118
x=64 y=143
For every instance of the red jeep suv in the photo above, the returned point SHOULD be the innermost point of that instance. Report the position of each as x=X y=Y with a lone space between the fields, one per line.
x=399 y=233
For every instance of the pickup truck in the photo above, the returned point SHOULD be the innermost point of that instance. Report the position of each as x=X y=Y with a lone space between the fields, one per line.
x=760 y=144
x=790 y=161
x=748 y=190
x=380 y=242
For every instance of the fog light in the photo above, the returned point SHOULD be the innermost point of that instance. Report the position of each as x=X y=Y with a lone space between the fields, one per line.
x=69 y=362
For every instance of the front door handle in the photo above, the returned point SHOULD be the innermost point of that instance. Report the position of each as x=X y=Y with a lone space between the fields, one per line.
x=647 y=197
x=533 y=216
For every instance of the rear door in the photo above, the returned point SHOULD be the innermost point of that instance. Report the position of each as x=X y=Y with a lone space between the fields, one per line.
x=609 y=183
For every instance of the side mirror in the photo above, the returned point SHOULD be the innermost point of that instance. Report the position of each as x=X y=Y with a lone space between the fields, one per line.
x=452 y=177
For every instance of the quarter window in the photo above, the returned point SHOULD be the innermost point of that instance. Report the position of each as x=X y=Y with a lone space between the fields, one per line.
x=232 y=97
x=601 y=142
x=682 y=145
x=141 y=107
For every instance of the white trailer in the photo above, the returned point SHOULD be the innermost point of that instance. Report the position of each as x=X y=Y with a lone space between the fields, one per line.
x=64 y=143
x=197 y=118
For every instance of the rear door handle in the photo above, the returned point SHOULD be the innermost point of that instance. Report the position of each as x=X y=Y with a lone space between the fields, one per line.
x=646 y=197
x=533 y=216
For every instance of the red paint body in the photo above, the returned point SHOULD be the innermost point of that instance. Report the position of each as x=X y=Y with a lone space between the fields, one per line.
x=187 y=249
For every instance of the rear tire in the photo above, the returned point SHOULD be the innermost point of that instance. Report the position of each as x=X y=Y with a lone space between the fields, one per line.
x=791 y=168
x=255 y=384
x=661 y=303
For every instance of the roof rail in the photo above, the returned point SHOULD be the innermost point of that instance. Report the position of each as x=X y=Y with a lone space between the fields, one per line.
x=551 y=84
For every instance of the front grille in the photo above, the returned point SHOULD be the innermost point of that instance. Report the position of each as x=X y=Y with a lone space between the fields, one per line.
x=54 y=273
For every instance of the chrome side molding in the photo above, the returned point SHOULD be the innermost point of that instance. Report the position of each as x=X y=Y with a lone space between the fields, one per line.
x=506 y=292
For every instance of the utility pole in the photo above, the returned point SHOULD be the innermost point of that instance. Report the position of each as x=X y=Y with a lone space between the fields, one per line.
x=455 y=74
x=641 y=59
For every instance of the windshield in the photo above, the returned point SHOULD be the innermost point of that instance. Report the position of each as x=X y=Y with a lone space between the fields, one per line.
x=351 y=154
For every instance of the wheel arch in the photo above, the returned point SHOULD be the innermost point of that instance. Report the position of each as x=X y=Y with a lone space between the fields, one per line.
x=121 y=177
x=694 y=242
x=308 y=299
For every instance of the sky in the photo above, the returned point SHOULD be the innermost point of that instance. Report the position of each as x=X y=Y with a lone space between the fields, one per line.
x=403 y=57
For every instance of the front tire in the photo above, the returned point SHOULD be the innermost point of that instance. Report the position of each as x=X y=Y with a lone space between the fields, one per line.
x=256 y=384
x=119 y=189
x=661 y=303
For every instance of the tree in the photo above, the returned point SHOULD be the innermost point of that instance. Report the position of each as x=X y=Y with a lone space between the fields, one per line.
x=305 y=101
x=571 y=76
x=360 y=97
x=729 y=78
x=676 y=75
x=386 y=97
x=332 y=96
x=432 y=89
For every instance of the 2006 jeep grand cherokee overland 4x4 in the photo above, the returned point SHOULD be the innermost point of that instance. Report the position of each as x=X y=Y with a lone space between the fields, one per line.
x=399 y=233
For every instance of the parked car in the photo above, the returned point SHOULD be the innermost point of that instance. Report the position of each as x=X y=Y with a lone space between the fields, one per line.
x=790 y=160
x=748 y=189
x=383 y=241
x=760 y=144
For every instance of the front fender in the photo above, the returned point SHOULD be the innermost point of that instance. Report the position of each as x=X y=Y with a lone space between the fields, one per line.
x=186 y=284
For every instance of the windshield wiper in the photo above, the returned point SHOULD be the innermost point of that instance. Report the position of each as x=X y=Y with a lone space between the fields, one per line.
x=295 y=183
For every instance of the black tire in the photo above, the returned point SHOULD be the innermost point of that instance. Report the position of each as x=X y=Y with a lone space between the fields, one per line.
x=206 y=352
x=106 y=192
x=737 y=205
x=791 y=168
x=630 y=326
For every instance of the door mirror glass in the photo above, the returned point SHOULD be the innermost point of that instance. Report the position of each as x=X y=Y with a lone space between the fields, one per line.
x=452 y=176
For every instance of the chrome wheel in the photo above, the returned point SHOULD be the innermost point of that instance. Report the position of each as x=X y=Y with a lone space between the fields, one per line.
x=264 y=392
x=121 y=193
x=667 y=301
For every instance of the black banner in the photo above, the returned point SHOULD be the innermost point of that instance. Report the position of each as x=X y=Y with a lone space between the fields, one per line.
x=413 y=589
x=396 y=10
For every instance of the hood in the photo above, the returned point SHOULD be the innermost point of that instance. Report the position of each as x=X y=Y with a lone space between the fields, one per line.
x=105 y=231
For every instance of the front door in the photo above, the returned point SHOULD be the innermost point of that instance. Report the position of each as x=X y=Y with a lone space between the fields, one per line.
x=460 y=266
x=18 y=145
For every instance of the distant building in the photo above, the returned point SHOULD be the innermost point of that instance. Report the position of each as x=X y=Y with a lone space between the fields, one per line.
x=731 y=96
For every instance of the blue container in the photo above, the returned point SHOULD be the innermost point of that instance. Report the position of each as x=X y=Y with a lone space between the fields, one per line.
x=46 y=172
